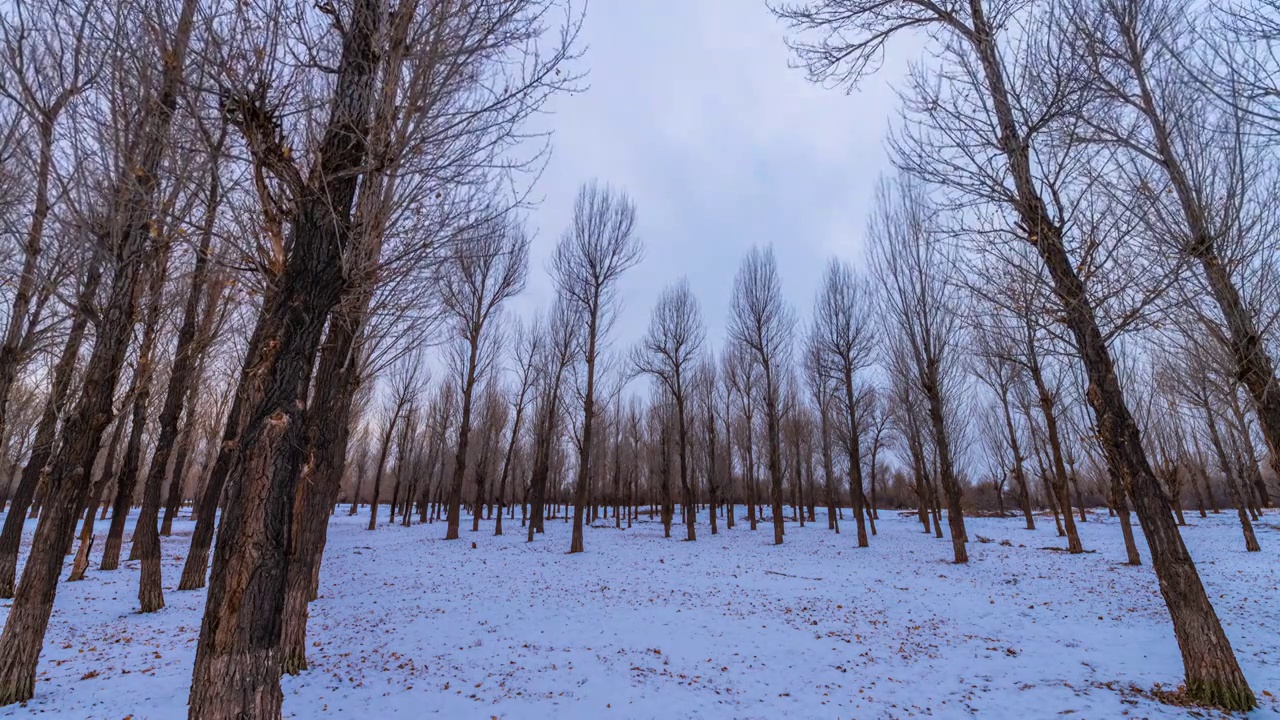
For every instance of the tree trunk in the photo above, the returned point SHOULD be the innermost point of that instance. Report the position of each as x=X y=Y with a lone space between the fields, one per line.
x=68 y=481
x=328 y=436
x=237 y=666
x=1233 y=486
x=1212 y=674
x=686 y=484
x=460 y=455
x=81 y=563
x=588 y=418
x=146 y=538
x=950 y=486
x=46 y=433
x=1059 y=477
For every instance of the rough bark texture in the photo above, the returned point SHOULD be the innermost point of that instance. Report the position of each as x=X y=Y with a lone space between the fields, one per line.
x=237 y=667
x=69 y=478
x=46 y=435
x=328 y=435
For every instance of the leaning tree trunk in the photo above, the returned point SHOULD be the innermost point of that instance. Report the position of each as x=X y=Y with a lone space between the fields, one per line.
x=506 y=458
x=1058 y=482
x=190 y=355
x=81 y=563
x=67 y=483
x=1212 y=674
x=946 y=473
x=237 y=666
x=20 y=314
x=378 y=471
x=68 y=480
x=1233 y=486
x=328 y=435
x=146 y=538
x=1120 y=504
x=249 y=391
x=144 y=374
x=46 y=434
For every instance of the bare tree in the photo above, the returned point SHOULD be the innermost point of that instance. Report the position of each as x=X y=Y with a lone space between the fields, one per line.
x=528 y=345
x=842 y=334
x=994 y=369
x=668 y=353
x=761 y=322
x=126 y=234
x=850 y=39
x=1220 y=187
x=921 y=305
x=399 y=400
x=44 y=68
x=599 y=246
x=561 y=332
x=489 y=268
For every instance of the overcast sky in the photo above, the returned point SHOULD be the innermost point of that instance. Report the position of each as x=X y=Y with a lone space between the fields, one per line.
x=691 y=107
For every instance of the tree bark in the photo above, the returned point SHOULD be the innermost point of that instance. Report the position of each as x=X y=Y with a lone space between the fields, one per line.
x=46 y=433
x=588 y=418
x=146 y=540
x=237 y=666
x=68 y=481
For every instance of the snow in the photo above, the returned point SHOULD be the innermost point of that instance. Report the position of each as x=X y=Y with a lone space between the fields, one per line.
x=731 y=626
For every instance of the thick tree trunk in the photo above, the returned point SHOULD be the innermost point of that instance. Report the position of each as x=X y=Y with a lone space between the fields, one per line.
x=68 y=481
x=1212 y=674
x=81 y=563
x=328 y=436
x=46 y=433
x=237 y=666
x=146 y=538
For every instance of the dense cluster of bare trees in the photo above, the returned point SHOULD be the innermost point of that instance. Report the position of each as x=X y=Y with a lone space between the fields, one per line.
x=1113 y=163
x=259 y=260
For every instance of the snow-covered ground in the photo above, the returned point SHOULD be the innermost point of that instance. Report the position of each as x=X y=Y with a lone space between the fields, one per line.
x=409 y=625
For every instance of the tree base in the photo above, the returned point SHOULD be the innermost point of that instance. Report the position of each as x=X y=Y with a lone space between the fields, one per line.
x=293 y=662
x=236 y=685
x=1228 y=696
x=20 y=691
